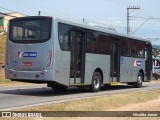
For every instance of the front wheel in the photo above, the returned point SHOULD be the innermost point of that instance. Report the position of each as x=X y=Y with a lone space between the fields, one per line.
x=96 y=82
x=138 y=84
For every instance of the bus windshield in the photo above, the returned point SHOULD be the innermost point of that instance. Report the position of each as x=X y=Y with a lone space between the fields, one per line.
x=30 y=30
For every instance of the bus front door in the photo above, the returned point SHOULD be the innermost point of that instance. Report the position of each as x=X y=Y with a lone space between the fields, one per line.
x=114 y=61
x=77 y=57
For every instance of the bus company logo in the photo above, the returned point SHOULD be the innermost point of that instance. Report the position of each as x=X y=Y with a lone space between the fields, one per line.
x=137 y=63
x=27 y=54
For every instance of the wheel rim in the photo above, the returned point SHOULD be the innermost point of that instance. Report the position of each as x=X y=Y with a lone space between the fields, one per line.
x=139 y=80
x=96 y=82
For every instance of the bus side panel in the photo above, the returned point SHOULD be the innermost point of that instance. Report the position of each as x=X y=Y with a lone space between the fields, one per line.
x=61 y=60
x=62 y=67
x=94 y=61
x=125 y=69
x=137 y=65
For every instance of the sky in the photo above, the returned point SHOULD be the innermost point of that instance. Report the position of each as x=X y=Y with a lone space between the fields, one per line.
x=144 y=22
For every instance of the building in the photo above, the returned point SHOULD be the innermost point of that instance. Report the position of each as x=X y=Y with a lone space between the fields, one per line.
x=5 y=17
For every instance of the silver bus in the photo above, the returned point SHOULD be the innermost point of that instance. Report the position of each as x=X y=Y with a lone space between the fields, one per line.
x=62 y=53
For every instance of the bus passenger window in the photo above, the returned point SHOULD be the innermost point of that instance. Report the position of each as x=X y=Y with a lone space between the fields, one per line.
x=124 y=47
x=63 y=36
x=63 y=39
x=140 y=49
x=103 y=44
x=92 y=42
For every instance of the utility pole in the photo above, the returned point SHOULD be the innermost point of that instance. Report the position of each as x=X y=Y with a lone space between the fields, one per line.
x=83 y=20
x=39 y=13
x=128 y=17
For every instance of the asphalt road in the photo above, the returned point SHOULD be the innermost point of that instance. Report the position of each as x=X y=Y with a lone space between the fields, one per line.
x=20 y=96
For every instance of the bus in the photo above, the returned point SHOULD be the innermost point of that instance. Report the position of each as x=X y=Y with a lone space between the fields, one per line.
x=156 y=61
x=62 y=53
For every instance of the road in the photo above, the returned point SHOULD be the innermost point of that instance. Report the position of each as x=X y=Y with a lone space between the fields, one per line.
x=21 y=96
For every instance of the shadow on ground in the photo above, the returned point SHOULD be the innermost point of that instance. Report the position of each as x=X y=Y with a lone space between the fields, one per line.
x=45 y=91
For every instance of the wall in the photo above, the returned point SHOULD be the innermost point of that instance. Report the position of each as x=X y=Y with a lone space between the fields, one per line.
x=7 y=18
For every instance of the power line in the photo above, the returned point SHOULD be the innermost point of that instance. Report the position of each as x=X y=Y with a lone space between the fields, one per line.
x=12 y=10
x=27 y=5
x=140 y=26
x=120 y=2
x=152 y=18
x=7 y=9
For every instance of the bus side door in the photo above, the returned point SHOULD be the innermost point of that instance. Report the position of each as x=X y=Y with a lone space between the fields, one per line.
x=77 y=57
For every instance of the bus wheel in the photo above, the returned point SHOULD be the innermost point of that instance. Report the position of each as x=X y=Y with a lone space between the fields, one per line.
x=96 y=82
x=138 y=84
x=156 y=77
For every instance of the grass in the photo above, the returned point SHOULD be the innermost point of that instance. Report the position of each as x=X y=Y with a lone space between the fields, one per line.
x=100 y=103
x=3 y=81
x=7 y=82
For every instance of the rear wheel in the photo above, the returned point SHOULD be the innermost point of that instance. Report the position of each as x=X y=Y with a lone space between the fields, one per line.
x=156 y=77
x=138 y=84
x=96 y=82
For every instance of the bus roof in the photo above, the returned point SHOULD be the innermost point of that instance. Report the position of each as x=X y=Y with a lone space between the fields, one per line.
x=99 y=28
x=88 y=26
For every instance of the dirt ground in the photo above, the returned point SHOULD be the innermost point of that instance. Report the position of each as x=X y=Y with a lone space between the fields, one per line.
x=152 y=105
x=2 y=75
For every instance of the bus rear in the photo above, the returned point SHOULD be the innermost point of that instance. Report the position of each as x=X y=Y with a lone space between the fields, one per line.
x=29 y=49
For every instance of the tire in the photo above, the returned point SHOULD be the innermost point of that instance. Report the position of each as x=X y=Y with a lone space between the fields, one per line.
x=156 y=77
x=96 y=82
x=138 y=84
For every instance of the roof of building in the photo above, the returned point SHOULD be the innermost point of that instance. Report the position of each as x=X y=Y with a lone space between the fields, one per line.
x=8 y=14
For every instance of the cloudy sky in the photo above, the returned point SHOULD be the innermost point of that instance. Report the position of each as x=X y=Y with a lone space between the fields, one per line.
x=144 y=22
